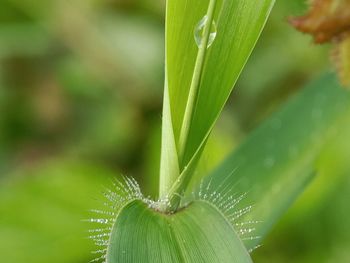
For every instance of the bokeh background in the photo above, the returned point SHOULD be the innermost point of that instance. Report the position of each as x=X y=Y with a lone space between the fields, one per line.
x=81 y=86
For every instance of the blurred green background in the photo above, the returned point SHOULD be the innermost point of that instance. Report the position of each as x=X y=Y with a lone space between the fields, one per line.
x=81 y=86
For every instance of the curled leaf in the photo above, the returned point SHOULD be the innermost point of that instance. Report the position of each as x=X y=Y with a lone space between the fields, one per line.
x=329 y=21
x=326 y=20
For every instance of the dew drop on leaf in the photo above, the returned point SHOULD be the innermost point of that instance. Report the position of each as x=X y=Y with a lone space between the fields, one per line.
x=199 y=30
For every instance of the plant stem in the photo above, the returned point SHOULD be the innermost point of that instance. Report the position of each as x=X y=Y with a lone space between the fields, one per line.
x=190 y=106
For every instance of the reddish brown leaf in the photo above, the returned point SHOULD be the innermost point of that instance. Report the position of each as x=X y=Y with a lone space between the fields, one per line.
x=326 y=20
x=329 y=21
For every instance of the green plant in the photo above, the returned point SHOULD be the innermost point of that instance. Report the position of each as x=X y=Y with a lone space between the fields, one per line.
x=230 y=210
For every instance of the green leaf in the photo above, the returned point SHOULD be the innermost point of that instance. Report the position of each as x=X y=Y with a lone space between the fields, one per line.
x=277 y=161
x=197 y=233
x=199 y=80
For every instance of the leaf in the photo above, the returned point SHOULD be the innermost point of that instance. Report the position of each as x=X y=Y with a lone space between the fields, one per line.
x=198 y=233
x=277 y=160
x=212 y=72
x=326 y=20
x=329 y=21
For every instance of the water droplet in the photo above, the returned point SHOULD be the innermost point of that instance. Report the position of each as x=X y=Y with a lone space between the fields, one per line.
x=199 y=30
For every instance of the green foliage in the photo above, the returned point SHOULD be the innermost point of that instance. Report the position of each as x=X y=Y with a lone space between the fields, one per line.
x=76 y=82
x=199 y=80
x=197 y=233
x=278 y=159
x=61 y=190
x=275 y=163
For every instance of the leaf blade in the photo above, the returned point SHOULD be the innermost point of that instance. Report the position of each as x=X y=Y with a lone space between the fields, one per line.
x=225 y=57
x=277 y=160
x=239 y=26
x=198 y=233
